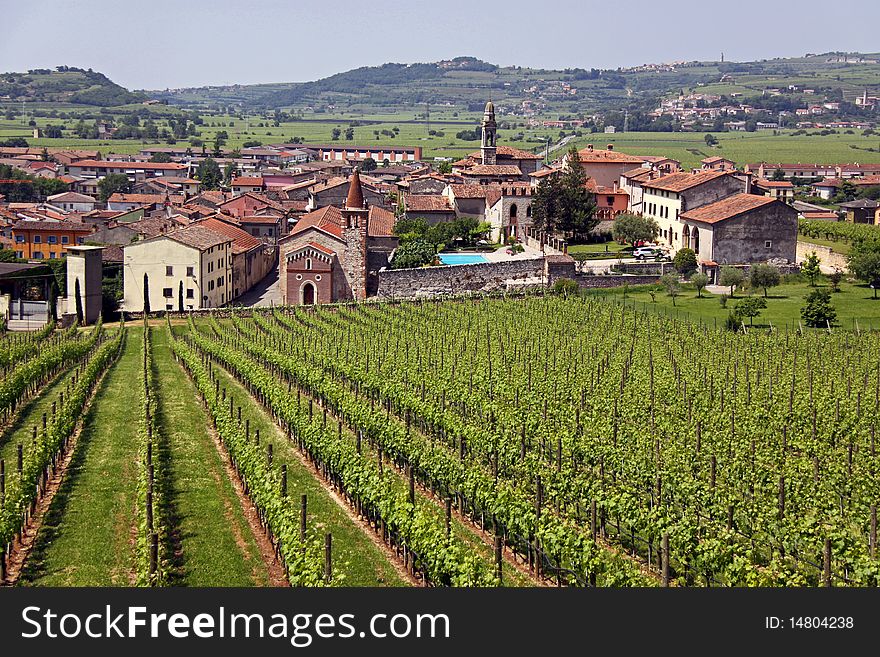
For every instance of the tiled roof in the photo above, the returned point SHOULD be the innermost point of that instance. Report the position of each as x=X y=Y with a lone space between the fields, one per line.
x=246 y=181
x=328 y=184
x=70 y=197
x=380 y=222
x=509 y=153
x=355 y=198
x=599 y=155
x=198 y=237
x=727 y=208
x=768 y=184
x=152 y=226
x=494 y=170
x=70 y=226
x=241 y=241
x=427 y=203
x=713 y=159
x=260 y=219
x=105 y=164
x=679 y=182
x=820 y=215
x=861 y=204
x=327 y=219
x=469 y=191
x=144 y=199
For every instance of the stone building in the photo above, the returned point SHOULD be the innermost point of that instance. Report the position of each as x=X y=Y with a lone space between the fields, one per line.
x=740 y=229
x=335 y=253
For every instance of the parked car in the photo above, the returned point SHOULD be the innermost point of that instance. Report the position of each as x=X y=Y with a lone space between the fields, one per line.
x=647 y=252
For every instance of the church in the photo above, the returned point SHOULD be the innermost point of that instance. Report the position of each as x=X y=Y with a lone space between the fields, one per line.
x=335 y=253
x=494 y=163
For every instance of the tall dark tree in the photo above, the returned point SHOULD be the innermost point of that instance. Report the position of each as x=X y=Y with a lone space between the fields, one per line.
x=577 y=203
x=180 y=297
x=146 y=293
x=545 y=204
x=209 y=173
x=79 y=303
x=112 y=184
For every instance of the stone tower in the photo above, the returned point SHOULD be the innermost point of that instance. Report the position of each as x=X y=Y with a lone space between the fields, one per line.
x=487 y=146
x=355 y=216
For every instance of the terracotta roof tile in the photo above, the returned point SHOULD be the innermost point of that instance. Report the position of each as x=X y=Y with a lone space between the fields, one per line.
x=198 y=236
x=241 y=241
x=727 y=208
x=246 y=181
x=380 y=222
x=427 y=203
x=679 y=182
x=494 y=170
x=327 y=219
x=599 y=155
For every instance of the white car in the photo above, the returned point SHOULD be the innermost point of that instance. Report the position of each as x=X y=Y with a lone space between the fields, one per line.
x=647 y=252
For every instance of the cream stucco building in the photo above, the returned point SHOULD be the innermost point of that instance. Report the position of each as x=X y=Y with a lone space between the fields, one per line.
x=193 y=260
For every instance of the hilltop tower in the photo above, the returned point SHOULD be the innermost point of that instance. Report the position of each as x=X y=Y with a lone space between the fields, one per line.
x=487 y=145
x=356 y=216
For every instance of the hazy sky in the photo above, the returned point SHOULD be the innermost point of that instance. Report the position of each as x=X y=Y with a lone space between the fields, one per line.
x=176 y=43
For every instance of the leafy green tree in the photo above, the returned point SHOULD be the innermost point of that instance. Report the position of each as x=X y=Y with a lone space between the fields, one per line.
x=764 y=276
x=672 y=285
x=750 y=307
x=230 y=171
x=731 y=277
x=335 y=134
x=835 y=279
x=369 y=164
x=565 y=287
x=685 y=262
x=444 y=167
x=415 y=253
x=209 y=173
x=160 y=158
x=778 y=175
x=864 y=264
x=818 y=311
x=113 y=183
x=349 y=134
x=811 y=268
x=699 y=281
x=710 y=140
x=633 y=228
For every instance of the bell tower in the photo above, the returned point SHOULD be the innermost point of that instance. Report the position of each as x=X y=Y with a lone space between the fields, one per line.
x=487 y=145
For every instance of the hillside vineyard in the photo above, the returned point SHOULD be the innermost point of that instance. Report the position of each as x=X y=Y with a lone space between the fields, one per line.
x=480 y=442
x=589 y=437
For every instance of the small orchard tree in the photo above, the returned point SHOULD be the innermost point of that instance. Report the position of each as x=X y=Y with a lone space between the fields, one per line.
x=864 y=264
x=565 y=287
x=835 y=279
x=700 y=281
x=685 y=262
x=731 y=277
x=750 y=307
x=818 y=311
x=811 y=268
x=632 y=228
x=764 y=276
x=673 y=287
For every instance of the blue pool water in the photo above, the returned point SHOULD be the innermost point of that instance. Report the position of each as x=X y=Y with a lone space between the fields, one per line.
x=461 y=258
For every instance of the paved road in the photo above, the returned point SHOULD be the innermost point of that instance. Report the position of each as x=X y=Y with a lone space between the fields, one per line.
x=264 y=294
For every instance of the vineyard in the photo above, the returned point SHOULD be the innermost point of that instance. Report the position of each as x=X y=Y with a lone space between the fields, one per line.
x=840 y=231
x=489 y=442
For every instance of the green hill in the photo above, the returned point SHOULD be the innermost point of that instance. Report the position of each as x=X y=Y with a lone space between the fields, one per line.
x=65 y=84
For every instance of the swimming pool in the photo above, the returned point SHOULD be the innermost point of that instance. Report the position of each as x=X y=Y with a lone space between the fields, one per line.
x=461 y=258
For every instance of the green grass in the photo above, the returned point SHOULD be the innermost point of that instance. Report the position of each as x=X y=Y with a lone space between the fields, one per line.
x=88 y=534
x=854 y=305
x=217 y=546
x=597 y=250
x=354 y=553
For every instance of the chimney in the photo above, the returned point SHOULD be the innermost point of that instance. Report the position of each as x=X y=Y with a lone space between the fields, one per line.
x=614 y=186
x=610 y=147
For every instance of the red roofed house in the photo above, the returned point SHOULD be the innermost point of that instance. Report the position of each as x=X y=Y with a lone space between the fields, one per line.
x=606 y=166
x=494 y=163
x=242 y=185
x=334 y=253
x=742 y=228
x=433 y=208
x=47 y=239
x=780 y=189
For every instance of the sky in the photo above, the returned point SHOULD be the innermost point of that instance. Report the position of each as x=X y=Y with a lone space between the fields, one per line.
x=161 y=44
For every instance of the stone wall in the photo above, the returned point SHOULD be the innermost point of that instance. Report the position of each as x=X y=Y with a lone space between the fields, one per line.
x=644 y=268
x=827 y=257
x=456 y=279
x=591 y=282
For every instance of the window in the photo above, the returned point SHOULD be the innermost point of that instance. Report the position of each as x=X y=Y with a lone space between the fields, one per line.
x=80 y=240
x=38 y=255
x=189 y=293
x=65 y=239
x=768 y=244
x=167 y=292
x=309 y=263
x=190 y=271
x=168 y=306
x=19 y=254
x=19 y=239
x=52 y=239
x=210 y=267
x=169 y=270
x=210 y=285
x=220 y=281
x=52 y=255
x=37 y=239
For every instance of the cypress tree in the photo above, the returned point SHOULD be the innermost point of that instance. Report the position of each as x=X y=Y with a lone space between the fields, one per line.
x=146 y=293
x=79 y=304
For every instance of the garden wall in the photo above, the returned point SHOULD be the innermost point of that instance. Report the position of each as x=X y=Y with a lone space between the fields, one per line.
x=827 y=257
x=455 y=279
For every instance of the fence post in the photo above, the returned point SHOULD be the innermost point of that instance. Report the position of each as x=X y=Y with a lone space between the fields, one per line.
x=498 y=559
x=284 y=480
x=664 y=561
x=873 y=540
x=302 y=519
x=328 y=558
